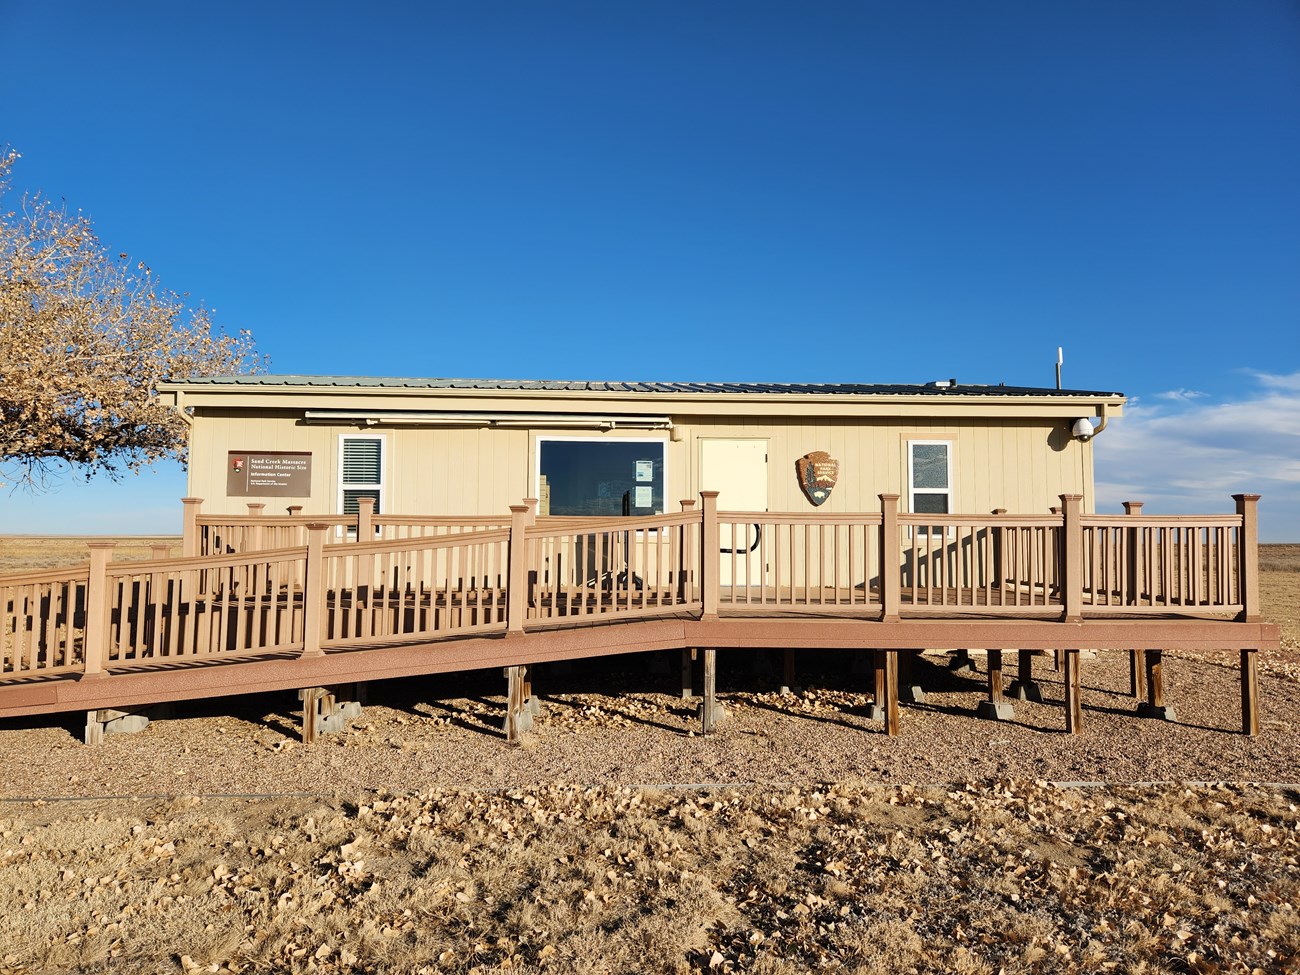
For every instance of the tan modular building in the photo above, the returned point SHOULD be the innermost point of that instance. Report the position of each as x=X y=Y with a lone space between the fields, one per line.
x=474 y=447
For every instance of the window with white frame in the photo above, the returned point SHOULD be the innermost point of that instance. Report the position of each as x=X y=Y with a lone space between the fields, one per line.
x=929 y=476
x=361 y=470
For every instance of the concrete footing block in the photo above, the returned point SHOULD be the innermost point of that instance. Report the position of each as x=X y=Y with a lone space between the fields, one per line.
x=999 y=711
x=875 y=712
x=111 y=721
x=1025 y=691
x=911 y=694
x=1162 y=713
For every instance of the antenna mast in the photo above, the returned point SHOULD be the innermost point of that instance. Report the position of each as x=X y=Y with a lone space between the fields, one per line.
x=1060 y=357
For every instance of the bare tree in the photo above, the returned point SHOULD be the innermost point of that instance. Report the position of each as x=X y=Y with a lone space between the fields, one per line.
x=85 y=338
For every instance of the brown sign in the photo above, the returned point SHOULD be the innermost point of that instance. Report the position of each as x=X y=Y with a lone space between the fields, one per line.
x=818 y=473
x=262 y=474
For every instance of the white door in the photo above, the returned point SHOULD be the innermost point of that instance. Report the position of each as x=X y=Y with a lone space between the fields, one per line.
x=737 y=469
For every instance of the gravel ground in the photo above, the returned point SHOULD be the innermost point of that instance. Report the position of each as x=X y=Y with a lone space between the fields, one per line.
x=612 y=722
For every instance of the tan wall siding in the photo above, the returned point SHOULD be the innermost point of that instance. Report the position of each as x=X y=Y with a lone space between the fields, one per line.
x=1021 y=465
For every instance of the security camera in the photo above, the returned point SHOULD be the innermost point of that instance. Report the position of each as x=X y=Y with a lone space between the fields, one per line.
x=1083 y=429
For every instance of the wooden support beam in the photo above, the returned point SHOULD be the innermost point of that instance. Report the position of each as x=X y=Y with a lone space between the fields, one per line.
x=997 y=707
x=1137 y=674
x=1249 y=693
x=877 y=710
x=1073 y=693
x=891 y=690
x=708 y=707
x=1154 y=706
x=1024 y=687
x=519 y=719
x=787 y=675
x=688 y=666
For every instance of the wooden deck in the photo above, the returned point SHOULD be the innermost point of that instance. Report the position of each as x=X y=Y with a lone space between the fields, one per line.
x=472 y=594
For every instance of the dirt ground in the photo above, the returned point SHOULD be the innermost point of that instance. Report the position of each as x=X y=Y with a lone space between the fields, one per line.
x=796 y=838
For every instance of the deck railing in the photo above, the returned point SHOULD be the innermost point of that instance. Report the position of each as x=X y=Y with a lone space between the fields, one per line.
x=538 y=572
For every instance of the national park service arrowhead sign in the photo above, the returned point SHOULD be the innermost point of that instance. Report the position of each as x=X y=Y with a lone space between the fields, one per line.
x=818 y=473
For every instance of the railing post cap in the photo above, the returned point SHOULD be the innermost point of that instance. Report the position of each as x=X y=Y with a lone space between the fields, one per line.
x=709 y=494
x=1132 y=507
x=1071 y=497
x=518 y=508
x=191 y=500
x=887 y=495
x=1246 y=497
x=317 y=526
x=101 y=545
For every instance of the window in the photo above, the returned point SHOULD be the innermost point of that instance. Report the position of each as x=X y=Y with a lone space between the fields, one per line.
x=929 y=476
x=361 y=471
x=584 y=476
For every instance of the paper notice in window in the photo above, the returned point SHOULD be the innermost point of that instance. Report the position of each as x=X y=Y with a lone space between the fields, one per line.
x=645 y=471
x=644 y=496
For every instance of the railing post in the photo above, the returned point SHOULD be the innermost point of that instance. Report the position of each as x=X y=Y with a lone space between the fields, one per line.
x=1133 y=587
x=517 y=580
x=1072 y=556
x=190 y=527
x=95 y=648
x=365 y=519
x=256 y=509
x=1248 y=557
x=891 y=572
x=685 y=558
x=999 y=542
x=710 y=555
x=313 y=596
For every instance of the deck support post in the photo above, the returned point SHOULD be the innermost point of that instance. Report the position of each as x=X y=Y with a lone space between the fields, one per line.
x=876 y=710
x=710 y=563
x=313 y=594
x=1154 y=706
x=190 y=527
x=327 y=710
x=112 y=721
x=891 y=691
x=1249 y=693
x=531 y=700
x=787 y=671
x=519 y=718
x=997 y=707
x=908 y=689
x=709 y=704
x=1137 y=674
x=98 y=606
x=961 y=663
x=688 y=668
x=1024 y=687
x=1073 y=693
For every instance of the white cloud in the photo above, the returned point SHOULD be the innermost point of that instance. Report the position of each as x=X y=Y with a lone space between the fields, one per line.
x=1181 y=394
x=1191 y=457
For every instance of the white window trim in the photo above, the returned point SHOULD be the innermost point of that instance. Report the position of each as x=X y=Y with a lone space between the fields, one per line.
x=911 y=477
x=383 y=468
x=541 y=438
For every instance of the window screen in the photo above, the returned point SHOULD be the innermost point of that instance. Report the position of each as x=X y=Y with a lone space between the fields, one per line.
x=601 y=477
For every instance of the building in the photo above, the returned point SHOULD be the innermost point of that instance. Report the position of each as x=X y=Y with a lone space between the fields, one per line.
x=474 y=447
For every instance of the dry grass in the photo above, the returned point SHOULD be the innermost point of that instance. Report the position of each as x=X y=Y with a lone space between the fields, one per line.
x=24 y=553
x=1005 y=875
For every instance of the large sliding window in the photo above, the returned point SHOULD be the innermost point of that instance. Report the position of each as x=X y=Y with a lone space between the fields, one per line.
x=587 y=476
x=361 y=470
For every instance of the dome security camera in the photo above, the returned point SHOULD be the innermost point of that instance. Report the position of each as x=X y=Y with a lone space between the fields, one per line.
x=1083 y=429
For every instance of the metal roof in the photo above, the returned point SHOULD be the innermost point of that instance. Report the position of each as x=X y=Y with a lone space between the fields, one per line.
x=945 y=388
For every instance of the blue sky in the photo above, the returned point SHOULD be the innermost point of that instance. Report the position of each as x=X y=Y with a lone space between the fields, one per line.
x=829 y=192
